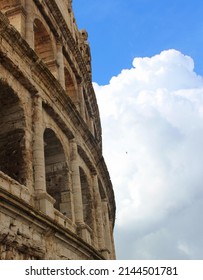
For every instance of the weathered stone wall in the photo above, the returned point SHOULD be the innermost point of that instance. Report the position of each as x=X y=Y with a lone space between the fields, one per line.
x=56 y=197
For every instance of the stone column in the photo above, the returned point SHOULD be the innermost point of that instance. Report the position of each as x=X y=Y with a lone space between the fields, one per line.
x=29 y=24
x=77 y=195
x=99 y=219
x=44 y=201
x=38 y=147
x=60 y=62
x=107 y=228
x=92 y=125
x=82 y=101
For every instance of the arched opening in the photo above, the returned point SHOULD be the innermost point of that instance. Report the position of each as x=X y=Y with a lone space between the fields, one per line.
x=56 y=169
x=86 y=199
x=42 y=42
x=69 y=86
x=12 y=135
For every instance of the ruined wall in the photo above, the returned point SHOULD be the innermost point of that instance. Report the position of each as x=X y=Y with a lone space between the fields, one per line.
x=56 y=197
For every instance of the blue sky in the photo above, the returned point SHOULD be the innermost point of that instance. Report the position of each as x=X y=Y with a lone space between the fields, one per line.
x=120 y=30
x=147 y=59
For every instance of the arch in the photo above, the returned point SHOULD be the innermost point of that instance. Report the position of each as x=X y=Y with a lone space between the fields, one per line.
x=101 y=190
x=12 y=135
x=42 y=42
x=86 y=159
x=69 y=85
x=56 y=170
x=86 y=199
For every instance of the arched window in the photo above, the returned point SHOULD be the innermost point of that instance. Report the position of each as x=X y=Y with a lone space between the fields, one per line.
x=56 y=169
x=12 y=135
x=69 y=86
x=42 y=42
x=86 y=199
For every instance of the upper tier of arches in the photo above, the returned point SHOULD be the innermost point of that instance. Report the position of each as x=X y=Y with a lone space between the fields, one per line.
x=62 y=48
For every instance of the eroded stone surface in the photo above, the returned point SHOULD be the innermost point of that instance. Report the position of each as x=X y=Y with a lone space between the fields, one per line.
x=56 y=197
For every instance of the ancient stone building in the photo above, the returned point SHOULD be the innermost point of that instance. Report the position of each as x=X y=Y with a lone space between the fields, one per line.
x=56 y=197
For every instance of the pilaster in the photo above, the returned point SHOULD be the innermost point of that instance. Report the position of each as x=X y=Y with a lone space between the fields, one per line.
x=29 y=28
x=99 y=219
x=60 y=62
x=83 y=229
x=43 y=199
x=107 y=228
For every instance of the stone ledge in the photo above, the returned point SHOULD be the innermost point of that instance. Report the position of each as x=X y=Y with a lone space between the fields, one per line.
x=64 y=221
x=43 y=224
x=13 y=187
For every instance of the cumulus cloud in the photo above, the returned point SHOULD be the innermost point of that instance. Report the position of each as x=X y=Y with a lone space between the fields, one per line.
x=152 y=118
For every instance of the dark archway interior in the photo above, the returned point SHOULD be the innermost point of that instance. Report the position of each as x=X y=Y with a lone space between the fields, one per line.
x=42 y=42
x=56 y=169
x=12 y=135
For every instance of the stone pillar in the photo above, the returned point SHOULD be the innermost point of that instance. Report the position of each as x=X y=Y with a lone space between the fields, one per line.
x=82 y=101
x=77 y=195
x=44 y=201
x=29 y=24
x=60 y=62
x=99 y=219
x=92 y=125
x=107 y=227
x=38 y=147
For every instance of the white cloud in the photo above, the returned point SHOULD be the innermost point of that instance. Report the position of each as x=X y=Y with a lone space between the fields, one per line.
x=152 y=117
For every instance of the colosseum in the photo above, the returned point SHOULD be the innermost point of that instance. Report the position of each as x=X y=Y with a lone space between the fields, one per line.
x=56 y=196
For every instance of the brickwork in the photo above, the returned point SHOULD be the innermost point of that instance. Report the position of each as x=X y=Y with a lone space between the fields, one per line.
x=56 y=196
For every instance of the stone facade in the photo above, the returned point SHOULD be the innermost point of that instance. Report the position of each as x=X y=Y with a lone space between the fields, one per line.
x=56 y=196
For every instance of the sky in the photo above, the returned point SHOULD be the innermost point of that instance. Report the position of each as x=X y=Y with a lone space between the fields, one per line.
x=147 y=63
